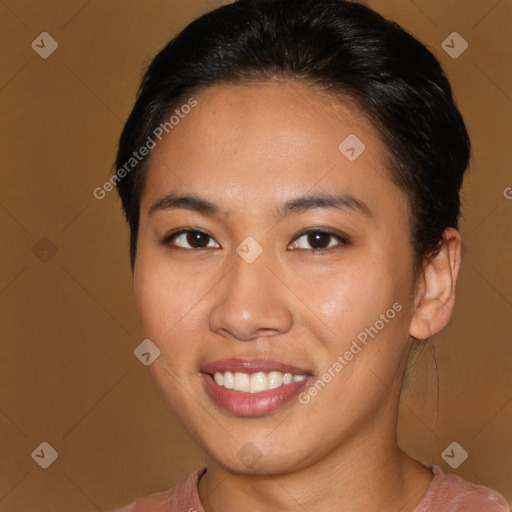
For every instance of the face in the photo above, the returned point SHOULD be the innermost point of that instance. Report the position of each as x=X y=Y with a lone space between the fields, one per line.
x=272 y=249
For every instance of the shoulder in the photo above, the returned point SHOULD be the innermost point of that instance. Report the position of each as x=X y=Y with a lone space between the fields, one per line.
x=182 y=496
x=454 y=494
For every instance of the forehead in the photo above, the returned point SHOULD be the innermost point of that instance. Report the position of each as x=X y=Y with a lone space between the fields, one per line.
x=267 y=142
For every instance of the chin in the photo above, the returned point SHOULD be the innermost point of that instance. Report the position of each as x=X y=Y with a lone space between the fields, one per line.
x=254 y=458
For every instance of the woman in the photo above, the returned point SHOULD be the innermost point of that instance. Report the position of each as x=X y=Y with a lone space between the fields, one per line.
x=291 y=175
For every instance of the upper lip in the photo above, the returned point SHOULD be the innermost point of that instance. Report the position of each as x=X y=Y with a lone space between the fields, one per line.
x=251 y=366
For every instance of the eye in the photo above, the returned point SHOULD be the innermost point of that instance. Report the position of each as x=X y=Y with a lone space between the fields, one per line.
x=319 y=240
x=195 y=238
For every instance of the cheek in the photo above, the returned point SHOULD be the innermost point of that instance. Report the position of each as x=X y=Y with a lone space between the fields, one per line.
x=165 y=303
x=164 y=296
x=351 y=297
x=364 y=317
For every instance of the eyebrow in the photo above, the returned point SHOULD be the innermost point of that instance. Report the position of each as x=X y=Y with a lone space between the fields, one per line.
x=297 y=205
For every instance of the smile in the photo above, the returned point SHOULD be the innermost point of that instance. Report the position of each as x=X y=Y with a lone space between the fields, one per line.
x=256 y=382
x=252 y=387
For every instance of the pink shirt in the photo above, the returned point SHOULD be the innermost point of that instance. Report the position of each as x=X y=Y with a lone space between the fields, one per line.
x=447 y=493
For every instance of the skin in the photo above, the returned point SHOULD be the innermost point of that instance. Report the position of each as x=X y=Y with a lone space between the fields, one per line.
x=248 y=150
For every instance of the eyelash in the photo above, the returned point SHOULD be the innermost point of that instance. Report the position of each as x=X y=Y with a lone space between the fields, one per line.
x=342 y=239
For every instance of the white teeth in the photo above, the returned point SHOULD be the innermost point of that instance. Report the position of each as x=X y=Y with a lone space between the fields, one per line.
x=242 y=382
x=229 y=380
x=258 y=382
x=275 y=380
x=255 y=382
x=219 y=378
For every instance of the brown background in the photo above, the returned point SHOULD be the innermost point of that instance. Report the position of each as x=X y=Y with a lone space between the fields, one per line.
x=68 y=374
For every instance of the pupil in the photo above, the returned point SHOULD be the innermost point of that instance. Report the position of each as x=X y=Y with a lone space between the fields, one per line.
x=197 y=239
x=319 y=240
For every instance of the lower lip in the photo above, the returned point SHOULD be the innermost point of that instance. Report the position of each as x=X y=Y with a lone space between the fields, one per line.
x=242 y=403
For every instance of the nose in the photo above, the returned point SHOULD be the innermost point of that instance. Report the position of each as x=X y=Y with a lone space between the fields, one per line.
x=251 y=302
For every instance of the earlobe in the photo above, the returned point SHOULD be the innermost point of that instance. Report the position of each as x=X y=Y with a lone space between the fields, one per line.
x=435 y=296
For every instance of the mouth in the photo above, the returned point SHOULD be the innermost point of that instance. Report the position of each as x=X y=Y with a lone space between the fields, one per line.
x=253 y=387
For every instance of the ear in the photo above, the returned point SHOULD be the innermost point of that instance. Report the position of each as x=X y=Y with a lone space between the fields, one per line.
x=435 y=296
